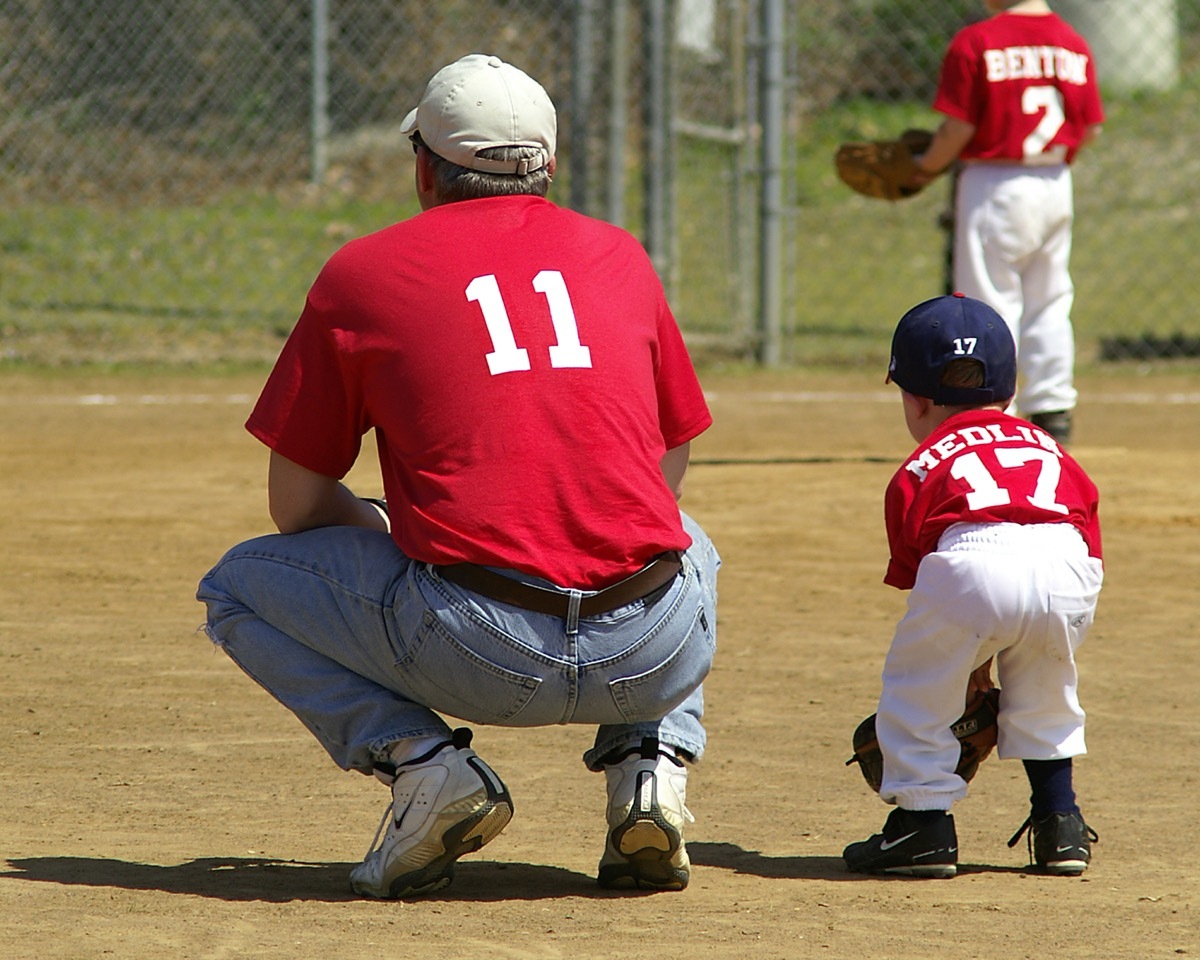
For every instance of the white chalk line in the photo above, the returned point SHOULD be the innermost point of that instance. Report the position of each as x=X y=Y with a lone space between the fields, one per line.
x=140 y=400
x=891 y=397
x=1139 y=398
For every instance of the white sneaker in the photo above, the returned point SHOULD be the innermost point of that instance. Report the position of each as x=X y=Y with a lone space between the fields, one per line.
x=444 y=804
x=646 y=814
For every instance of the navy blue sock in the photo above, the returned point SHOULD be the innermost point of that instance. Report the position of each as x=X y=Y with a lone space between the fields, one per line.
x=1050 y=786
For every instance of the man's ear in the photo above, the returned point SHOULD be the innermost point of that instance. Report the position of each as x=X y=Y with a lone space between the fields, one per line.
x=424 y=170
x=423 y=178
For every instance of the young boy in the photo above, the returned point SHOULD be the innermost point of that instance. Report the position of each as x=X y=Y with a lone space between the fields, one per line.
x=994 y=530
x=1020 y=98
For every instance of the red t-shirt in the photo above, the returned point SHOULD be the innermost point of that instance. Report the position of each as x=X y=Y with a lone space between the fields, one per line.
x=1027 y=83
x=983 y=466
x=523 y=375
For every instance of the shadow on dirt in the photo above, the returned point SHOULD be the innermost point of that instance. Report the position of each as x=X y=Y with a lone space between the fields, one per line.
x=282 y=881
x=729 y=856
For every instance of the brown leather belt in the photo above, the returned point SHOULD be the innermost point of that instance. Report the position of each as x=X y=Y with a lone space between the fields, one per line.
x=656 y=574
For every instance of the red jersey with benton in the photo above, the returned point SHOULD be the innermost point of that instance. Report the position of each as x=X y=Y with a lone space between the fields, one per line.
x=983 y=466
x=523 y=375
x=1027 y=84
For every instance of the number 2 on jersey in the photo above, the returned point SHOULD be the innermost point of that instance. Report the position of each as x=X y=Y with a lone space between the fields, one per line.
x=987 y=492
x=506 y=356
x=1034 y=100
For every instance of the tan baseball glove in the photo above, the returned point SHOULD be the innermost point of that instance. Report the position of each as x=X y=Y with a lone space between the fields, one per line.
x=976 y=732
x=883 y=169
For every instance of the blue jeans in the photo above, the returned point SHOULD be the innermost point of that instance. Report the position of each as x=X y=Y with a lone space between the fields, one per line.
x=367 y=646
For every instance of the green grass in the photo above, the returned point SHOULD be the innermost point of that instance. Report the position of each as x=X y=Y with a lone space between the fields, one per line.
x=96 y=284
x=214 y=284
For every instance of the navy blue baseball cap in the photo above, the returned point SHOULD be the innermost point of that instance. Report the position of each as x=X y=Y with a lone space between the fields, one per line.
x=954 y=327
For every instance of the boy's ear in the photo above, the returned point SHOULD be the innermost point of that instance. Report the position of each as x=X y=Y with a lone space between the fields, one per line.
x=920 y=405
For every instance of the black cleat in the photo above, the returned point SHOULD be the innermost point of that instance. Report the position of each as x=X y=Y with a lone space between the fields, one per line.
x=1057 y=424
x=908 y=845
x=1060 y=844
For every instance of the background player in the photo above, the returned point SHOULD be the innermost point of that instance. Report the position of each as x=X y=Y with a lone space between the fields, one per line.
x=994 y=529
x=533 y=405
x=1020 y=97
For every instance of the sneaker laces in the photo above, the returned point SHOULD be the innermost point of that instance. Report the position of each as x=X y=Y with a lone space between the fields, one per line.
x=387 y=773
x=1027 y=826
x=378 y=833
x=1016 y=837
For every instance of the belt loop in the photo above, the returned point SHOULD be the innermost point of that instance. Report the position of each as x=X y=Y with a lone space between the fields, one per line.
x=573 y=599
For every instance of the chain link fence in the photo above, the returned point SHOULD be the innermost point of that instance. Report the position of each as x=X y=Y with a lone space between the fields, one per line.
x=173 y=175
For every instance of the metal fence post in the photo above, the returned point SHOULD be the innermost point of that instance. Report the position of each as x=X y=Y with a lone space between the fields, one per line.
x=745 y=74
x=320 y=90
x=618 y=119
x=582 y=44
x=656 y=159
x=771 y=195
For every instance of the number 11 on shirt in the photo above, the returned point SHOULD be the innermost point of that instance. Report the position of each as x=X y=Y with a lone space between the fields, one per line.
x=506 y=356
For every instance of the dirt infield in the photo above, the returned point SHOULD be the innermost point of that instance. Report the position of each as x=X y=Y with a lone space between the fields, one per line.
x=156 y=803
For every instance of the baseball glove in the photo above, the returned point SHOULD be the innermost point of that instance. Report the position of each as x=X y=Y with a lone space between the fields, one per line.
x=883 y=168
x=975 y=729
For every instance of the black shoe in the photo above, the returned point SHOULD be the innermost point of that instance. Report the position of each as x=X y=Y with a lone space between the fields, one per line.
x=1056 y=423
x=1060 y=844
x=908 y=845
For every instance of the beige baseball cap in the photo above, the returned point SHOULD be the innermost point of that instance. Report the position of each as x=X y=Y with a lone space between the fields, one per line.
x=479 y=102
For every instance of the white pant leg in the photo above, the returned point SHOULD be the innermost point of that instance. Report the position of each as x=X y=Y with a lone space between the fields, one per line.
x=925 y=677
x=1047 y=345
x=986 y=233
x=1025 y=594
x=1012 y=250
x=1040 y=716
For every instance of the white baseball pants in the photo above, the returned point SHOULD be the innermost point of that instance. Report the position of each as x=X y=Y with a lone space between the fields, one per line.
x=1023 y=593
x=1012 y=249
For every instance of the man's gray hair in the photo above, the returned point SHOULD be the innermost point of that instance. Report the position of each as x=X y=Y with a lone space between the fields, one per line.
x=453 y=182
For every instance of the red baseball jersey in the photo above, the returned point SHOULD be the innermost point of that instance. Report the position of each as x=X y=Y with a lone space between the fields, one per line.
x=983 y=466
x=1027 y=84
x=523 y=375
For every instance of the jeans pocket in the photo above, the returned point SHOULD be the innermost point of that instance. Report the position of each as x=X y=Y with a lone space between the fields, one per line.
x=653 y=693
x=445 y=674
